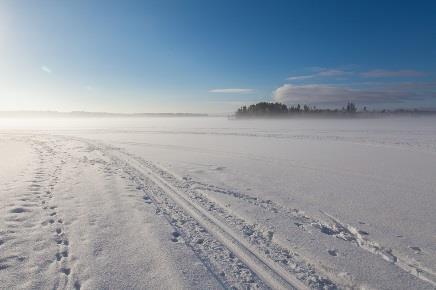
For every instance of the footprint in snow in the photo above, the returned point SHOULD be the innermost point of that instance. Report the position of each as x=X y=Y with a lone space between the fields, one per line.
x=146 y=199
x=18 y=210
x=333 y=253
x=66 y=271
x=176 y=236
x=58 y=256
x=77 y=285
x=416 y=249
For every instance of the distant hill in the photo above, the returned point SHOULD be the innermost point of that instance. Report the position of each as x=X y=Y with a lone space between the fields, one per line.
x=83 y=114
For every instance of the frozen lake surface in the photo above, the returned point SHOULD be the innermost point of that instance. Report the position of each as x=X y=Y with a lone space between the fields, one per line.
x=215 y=203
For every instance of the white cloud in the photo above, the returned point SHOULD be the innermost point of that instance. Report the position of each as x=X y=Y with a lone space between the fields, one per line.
x=376 y=73
x=321 y=72
x=231 y=91
x=319 y=93
x=303 y=77
x=333 y=73
x=46 y=69
x=381 y=73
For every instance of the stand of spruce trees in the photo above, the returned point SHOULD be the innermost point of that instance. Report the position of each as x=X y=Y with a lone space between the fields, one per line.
x=266 y=109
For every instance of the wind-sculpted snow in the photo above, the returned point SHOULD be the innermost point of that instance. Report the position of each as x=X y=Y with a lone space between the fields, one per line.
x=223 y=205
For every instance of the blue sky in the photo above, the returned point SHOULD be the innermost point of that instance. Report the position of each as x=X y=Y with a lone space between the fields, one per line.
x=213 y=56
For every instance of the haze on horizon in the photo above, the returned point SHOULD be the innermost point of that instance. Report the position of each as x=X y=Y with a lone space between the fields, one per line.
x=212 y=57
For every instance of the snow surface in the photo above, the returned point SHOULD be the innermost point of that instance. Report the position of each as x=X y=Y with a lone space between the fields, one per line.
x=214 y=203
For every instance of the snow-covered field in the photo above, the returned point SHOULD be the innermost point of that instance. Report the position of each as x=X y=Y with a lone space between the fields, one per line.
x=199 y=203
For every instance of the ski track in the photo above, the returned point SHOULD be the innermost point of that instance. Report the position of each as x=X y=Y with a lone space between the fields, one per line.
x=221 y=262
x=278 y=267
x=269 y=272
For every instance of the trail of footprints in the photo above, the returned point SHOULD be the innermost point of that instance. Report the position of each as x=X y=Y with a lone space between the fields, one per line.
x=54 y=220
x=36 y=200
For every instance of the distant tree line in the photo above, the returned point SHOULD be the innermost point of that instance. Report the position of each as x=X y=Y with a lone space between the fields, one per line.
x=279 y=109
x=269 y=109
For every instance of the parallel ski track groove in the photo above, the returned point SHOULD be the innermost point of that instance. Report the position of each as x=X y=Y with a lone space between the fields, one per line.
x=272 y=274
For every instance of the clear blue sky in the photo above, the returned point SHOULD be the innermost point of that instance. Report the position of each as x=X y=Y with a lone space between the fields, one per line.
x=213 y=56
